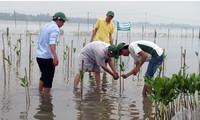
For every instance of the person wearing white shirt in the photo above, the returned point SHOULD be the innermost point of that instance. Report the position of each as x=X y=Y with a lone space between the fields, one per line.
x=46 y=50
x=142 y=51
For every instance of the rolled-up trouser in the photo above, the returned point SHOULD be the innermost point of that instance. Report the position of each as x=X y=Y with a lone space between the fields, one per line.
x=47 y=70
x=86 y=66
x=153 y=65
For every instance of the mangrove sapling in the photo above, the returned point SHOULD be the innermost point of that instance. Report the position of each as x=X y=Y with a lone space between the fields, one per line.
x=81 y=77
x=25 y=84
x=74 y=51
x=162 y=93
x=65 y=55
x=17 y=49
x=198 y=84
x=180 y=84
x=197 y=54
x=122 y=69
x=71 y=62
x=82 y=72
x=10 y=48
x=192 y=85
x=8 y=61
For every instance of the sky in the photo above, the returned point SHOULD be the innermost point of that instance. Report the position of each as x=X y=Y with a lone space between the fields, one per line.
x=156 y=12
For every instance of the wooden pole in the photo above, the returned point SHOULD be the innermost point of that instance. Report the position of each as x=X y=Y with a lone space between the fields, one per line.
x=142 y=32
x=163 y=64
x=68 y=59
x=120 y=80
x=186 y=32
x=181 y=57
x=181 y=33
x=4 y=66
x=155 y=35
x=30 y=59
x=168 y=33
x=7 y=32
x=82 y=79
x=71 y=62
x=192 y=32
x=199 y=33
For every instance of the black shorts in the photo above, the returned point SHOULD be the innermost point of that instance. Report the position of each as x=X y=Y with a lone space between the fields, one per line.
x=47 y=70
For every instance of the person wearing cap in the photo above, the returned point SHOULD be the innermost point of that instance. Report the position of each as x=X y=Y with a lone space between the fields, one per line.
x=104 y=29
x=142 y=51
x=92 y=57
x=47 y=58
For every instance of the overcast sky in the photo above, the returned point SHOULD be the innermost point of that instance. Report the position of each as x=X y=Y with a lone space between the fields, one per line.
x=181 y=12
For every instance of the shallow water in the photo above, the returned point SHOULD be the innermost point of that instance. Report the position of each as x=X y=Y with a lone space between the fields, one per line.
x=88 y=103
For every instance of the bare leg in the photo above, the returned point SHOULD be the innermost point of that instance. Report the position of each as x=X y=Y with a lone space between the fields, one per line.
x=76 y=80
x=47 y=90
x=40 y=88
x=97 y=78
x=146 y=90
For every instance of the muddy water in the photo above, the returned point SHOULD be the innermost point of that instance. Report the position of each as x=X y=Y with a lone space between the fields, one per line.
x=89 y=103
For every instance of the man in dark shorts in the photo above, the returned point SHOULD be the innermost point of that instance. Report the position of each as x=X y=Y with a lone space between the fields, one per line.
x=46 y=51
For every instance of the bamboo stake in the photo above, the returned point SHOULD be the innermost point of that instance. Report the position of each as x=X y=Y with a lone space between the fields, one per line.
x=78 y=31
x=4 y=66
x=68 y=59
x=120 y=80
x=82 y=79
x=27 y=90
x=181 y=57
x=142 y=32
x=163 y=64
x=63 y=49
x=7 y=32
x=168 y=33
x=155 y=35
x=30 y=59
x=71 y=62
x=199 y=33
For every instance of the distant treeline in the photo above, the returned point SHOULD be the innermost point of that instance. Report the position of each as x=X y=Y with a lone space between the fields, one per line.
x=41 y=17
x=47 y=17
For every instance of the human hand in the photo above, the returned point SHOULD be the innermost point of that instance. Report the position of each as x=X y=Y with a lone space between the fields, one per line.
x=55 y=62
x=136 y=70
x=115 y=76
x=124 y=76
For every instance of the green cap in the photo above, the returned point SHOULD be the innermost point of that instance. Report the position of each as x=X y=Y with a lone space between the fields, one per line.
x=60 y=15
x=119 y=47
x=112 y=49
x=111 y=13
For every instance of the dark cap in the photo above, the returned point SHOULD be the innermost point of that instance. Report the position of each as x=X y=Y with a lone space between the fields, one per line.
x=119 y=47
x=112 y=49
x=60 y=15
x=111 y=13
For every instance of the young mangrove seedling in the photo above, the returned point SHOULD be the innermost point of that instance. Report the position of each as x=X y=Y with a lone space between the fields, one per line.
x=8 y=60
x=24 y=83
x=121 y=65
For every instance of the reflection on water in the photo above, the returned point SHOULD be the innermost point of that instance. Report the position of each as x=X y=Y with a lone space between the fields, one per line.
x=147 y=107
x=93 y=105
x=5 y=101
x=107 y=103
x=45 y=108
